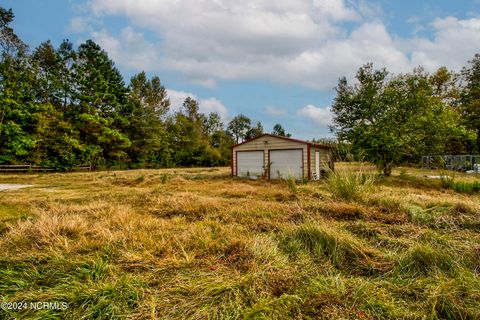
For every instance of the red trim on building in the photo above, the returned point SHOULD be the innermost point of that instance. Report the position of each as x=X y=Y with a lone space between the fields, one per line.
x=231 y=162
x=285 y=138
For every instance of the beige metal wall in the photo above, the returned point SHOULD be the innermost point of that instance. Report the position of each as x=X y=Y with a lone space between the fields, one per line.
x=324 y=158
x=271 y=143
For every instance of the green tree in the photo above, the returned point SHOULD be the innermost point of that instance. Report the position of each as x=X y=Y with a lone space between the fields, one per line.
x=389 y=119
x=254 y=131
x=470 y=97
x=57 y=140
x=10 y=43
x=212 y=123
x=17 y=121
x=278 y=130
x=146 y=130
x=102 y=106
x=238 y=127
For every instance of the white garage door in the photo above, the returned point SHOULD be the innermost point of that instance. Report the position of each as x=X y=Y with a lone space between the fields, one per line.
x=286 y=163
x=249 y=163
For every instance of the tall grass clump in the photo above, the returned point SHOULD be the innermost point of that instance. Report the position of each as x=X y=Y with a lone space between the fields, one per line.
x=447 y=178
x=291 y=184
x=350 y=185
x=340 y=248
x=424 y=259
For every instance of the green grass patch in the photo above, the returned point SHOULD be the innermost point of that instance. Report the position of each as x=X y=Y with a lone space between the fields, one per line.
x=466 y=187
x=341 y=249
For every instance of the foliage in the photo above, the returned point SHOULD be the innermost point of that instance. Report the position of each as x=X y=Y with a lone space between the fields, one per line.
x=238 y=127
x=390 y=119
x=254 y=131
x=341 y=151
x=63 y=107
x=470 y=97
x=278 y=130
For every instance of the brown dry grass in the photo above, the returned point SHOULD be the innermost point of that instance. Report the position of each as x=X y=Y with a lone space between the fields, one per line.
x=196 y=243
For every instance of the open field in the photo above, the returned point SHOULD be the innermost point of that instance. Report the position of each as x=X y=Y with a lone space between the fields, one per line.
x=195 y=243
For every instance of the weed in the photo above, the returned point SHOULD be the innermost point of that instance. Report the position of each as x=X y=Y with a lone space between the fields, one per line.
x=291 y=184
x=140 y=179
x=164 y=177
x=447 y=178
x=403 y=173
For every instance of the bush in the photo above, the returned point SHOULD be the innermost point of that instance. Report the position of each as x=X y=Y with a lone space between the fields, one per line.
x=349 y=186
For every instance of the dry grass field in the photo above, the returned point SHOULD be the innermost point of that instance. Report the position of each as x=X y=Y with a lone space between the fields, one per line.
x=198 y=244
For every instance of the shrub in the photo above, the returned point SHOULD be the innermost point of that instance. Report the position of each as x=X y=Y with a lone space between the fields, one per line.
x=349 y=186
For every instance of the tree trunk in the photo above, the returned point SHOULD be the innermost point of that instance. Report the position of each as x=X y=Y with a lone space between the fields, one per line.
x=387 y=169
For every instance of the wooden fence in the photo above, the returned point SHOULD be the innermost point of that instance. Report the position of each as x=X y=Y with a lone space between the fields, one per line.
x=14 y=168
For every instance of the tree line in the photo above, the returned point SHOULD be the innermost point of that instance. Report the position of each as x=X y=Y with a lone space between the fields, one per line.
x=66 y=106
x=389 y=119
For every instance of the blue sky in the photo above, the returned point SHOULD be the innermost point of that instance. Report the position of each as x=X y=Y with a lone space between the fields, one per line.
x=274 y=61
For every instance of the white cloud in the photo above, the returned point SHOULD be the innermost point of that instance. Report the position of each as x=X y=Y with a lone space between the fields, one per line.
x=302 y=42
x=213 y=105
x=275 y=111
x=455 y=42
x=318 y=116
x=205 y=105
x=80 y=25
x=130 y=50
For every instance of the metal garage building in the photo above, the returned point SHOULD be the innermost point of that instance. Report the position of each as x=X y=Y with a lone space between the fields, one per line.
x=277 y=157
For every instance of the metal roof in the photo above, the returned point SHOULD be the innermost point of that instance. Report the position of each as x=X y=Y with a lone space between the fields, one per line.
x=285 y=138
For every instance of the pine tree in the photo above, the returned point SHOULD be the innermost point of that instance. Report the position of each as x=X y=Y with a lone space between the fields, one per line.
x=102 y=107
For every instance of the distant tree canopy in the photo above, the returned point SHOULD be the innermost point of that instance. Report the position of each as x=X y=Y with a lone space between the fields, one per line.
x=469 y=103
x=278 y=130
x=389 y=119
x=67 y=106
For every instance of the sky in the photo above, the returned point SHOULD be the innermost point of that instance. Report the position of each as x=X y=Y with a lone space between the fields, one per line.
x=276 y=61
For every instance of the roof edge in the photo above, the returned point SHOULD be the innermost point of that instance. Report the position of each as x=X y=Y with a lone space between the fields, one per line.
x=285 y=138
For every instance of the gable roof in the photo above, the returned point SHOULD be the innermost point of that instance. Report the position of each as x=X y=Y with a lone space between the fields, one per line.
x=285 y=138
